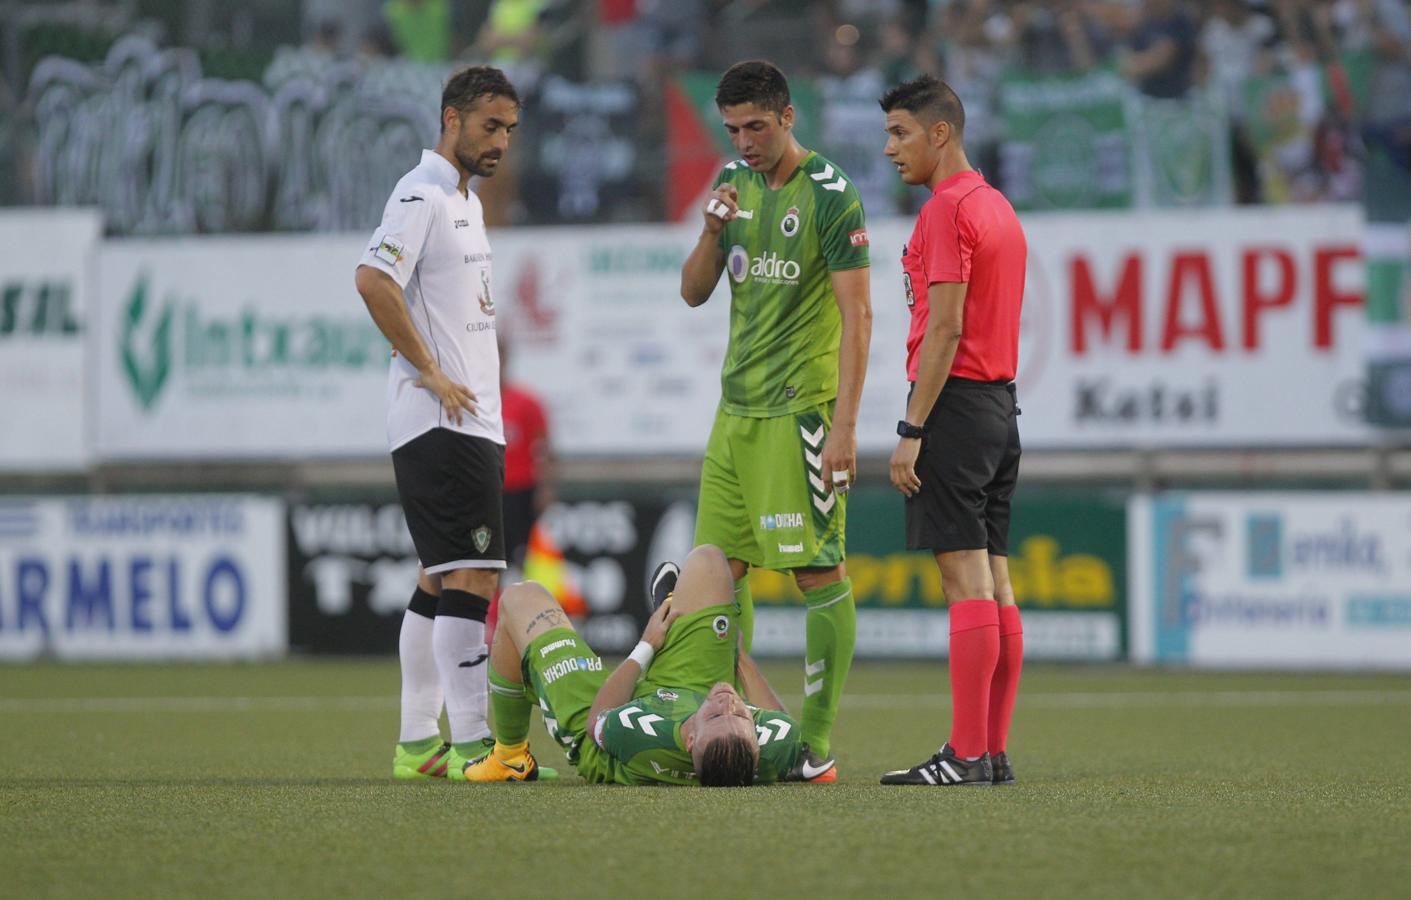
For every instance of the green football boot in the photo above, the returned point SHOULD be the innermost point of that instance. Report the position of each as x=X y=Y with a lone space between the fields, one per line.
x=408 y=765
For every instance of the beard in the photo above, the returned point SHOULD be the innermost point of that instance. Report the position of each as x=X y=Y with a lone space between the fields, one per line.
x=481 y=164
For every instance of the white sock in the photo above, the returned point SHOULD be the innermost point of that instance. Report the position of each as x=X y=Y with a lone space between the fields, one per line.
x=466 y=688
x=421 y=685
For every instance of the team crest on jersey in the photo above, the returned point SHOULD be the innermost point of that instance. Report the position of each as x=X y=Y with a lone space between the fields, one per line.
x=487 y=302
x=481 y=536
x=668 y=696
x=790 y=223
x=721 y=625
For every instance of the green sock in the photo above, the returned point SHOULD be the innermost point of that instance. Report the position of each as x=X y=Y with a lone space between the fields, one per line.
x=830 y=632
x=746 y=601
x=511 y=709
x=422 y=745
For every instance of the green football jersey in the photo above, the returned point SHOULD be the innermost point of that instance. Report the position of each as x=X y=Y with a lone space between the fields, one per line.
x=641 y=740
x=779 y=252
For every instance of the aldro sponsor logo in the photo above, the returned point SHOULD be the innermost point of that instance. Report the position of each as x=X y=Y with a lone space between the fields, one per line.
x=577 y=664
x=770 y=268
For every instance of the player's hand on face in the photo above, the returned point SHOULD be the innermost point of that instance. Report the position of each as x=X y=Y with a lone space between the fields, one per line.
x=659 y=624
x=721 y=207
x=840 y=459
x=903 y=467
x=455 y=397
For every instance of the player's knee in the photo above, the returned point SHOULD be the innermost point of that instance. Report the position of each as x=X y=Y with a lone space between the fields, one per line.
x=809 y=579
x=524 y=596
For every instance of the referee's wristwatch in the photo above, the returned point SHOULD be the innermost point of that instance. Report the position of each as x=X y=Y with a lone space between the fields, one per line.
x=908 y=430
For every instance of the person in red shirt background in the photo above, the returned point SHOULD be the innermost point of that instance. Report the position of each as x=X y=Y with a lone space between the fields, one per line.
x=957 y=460
x=528 y=483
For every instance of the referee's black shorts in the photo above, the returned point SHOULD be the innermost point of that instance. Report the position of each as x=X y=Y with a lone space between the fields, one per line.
x=969 y=465
x=451 y=488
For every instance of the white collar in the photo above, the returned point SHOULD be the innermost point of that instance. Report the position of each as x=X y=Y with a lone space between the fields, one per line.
x=442 y=168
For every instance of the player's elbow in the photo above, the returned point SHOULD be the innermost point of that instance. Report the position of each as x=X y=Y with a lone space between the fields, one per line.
x=692 y=296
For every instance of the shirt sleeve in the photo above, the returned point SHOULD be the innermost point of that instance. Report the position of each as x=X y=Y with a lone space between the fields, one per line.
x=949 y=245
x=397 y=244
x=843 y=237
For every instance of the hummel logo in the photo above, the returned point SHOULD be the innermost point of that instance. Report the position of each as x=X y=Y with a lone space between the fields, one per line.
x=412 y=199
x=474 y=662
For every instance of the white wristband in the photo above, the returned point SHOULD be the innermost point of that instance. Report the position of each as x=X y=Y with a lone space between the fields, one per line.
x=642 y=655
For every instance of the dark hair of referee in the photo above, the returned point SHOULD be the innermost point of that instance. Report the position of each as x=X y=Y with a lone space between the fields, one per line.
x=754 y=81
x=930 y=100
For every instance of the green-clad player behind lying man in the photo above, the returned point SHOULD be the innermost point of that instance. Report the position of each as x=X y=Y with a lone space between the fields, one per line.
x=670 y=714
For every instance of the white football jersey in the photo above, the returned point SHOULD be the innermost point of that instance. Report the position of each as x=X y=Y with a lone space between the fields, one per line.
x=432 y=242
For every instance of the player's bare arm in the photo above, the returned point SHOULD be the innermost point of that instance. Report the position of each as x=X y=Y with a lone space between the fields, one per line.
x=617 y=690
x=852 y=289
x=703 y=266
x=754 y=685
x=388 y=309
x=936 y=356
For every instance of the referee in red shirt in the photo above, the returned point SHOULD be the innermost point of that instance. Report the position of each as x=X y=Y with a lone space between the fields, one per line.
x=958 y=457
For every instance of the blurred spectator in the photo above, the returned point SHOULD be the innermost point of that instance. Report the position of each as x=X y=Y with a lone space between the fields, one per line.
x=895 y=57
x=512 y=33
x=976 y=35
x=1054 y=40
x=421 y=28
x=670 y=35
x=1159 y=57
x=1232 y=43
x=376 y=44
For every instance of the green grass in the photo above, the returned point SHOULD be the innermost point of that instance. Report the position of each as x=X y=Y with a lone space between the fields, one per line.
x=1133 y=784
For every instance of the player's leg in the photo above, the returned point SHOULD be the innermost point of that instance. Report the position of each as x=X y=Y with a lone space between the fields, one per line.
x=830 y=634
x=701 y=648
x=1004 y=687
x=450 y=487
x=722 y=518
x=420 y=752
x=536 y=638
x=800 y=527
x=966 y=435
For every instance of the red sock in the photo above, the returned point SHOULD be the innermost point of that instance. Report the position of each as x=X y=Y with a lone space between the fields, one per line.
x=1004 y=687
x=974 y=649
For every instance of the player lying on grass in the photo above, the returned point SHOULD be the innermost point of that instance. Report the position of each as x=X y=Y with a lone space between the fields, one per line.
x=670 y=714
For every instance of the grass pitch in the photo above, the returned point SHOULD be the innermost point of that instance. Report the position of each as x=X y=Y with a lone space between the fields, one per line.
x=274 y=780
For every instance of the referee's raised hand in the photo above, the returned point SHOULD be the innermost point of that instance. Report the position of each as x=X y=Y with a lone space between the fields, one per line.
x=721 y=207
x=454 y=397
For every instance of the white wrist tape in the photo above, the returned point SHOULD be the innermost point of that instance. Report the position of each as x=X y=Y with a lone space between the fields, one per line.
x=642 y=655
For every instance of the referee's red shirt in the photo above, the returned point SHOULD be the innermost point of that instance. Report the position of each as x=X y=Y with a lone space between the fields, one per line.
x=967 y=232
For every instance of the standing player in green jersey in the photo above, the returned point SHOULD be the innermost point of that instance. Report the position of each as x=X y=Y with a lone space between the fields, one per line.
x=668 y=715
x=788 y=226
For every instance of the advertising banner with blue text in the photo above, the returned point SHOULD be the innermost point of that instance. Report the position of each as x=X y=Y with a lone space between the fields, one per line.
x=1288 y=580
x=197 y=577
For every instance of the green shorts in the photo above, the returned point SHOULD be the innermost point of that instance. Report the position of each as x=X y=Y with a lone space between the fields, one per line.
x=562 y=675
x=763 y=491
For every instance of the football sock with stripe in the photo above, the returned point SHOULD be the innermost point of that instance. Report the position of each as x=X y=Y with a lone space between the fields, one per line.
x=746 y=601
x=421 y=685
x=830 y=633
x=1004 y=687
x=462 y=659
x=512 y=711
x=974 y=651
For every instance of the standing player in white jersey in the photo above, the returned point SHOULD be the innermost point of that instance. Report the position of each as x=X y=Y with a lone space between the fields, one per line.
x=425 y=277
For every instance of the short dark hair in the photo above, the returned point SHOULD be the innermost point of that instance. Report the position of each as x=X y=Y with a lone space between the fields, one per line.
x=472 y=83
x=728 y=761
x=929 y=99
x=753 y=81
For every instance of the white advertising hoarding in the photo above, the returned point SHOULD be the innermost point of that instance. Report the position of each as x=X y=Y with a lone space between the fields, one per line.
x=1202 y=328
x=1226 y=327
x=254 y=347
x=44 y=288
x=142 y=577
x=1307 y=580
